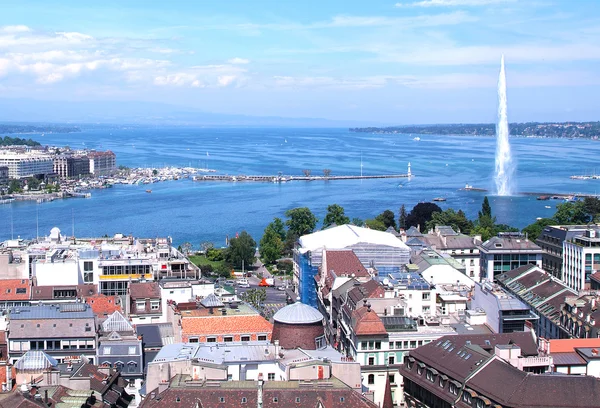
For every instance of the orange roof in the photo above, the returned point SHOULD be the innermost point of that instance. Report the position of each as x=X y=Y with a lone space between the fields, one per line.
x=225 y=325
x=367 y=322
x=569 y=345
x=103 y=305
x=15 y=289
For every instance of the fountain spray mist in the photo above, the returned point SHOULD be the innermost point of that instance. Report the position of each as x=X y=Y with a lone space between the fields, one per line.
x=504 y=164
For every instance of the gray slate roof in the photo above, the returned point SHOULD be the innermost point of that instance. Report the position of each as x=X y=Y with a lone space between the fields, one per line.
x=62 y=311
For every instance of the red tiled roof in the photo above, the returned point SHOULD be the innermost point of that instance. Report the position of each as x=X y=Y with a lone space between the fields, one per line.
x=144 y=290
x=569 y=345
x=345 y=263
x=15 y=289
x=224 y=325
x=103 y=305
x=366 y=322
x=595 y=276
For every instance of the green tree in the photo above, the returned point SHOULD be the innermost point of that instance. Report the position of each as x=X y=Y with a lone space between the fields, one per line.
x=14 y=186
x=402 y=218
x=486 y=208
x=534 y=230
x=358 y=222
x=241 y=249
x=421 y=214
x=301 y=221
x=335 y=215
x=457 y=220
x=591 y=207
x=375 y=224
x=388 y=218
x=571 y=213
x=271 y=246
x=255 y=297
x=33 y=183
x=279 y=227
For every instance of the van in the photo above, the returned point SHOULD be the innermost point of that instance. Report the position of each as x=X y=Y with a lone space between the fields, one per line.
x=243 y=283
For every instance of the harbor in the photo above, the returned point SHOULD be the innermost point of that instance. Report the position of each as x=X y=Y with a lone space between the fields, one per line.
x=283 y=179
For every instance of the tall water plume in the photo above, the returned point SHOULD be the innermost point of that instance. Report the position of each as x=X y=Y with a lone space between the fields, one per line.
x=504 y=163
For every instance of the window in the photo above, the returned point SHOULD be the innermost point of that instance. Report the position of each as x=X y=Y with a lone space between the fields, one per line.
x=480 y=404
x=377 y=345
x=107 y=350
x=429 y=375
x=53 y=344
x=88 y=277
x=244 y=400
x=297 y=399
x=227 y=339
x=420 y=343
x=392 y=378
x=154 y=304
x=245 y=338
x=36 y=345
x=88 y=266
x=221 y=399
x=208 y=340
x=371 y=345
x=441 y=382
x=426 y=295
x=426 y=309
x=131 y=367
x=371 y=379
x=371 y=361
x=271 y=376
x=21 y=290
x=262 y=337
x=140 y=304
x=413 y=344
x=391 y=360
x=466 y=397
x=132 y=350
x=275 y=399
x=177 y=399
x=363 y=345
x=453 y=389
x=320 y=342
x=398 y=344
x=419 y=370
x=342 y=399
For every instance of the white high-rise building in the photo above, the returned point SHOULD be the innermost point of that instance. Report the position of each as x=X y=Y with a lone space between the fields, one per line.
x=21 y=165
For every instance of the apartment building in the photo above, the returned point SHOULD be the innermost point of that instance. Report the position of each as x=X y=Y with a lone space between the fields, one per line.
x=505 y=252
x=70 y=165
x=4 y=175
x=102 y=163
x=581 y=258
x=28 y=164
x=551 y=241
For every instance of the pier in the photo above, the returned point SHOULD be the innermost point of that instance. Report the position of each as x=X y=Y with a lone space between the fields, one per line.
x=284 y=179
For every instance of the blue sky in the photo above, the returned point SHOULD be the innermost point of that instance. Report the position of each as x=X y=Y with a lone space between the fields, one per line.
x=397 y=62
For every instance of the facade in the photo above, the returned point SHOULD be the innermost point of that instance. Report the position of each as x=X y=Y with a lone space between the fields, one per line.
x=490 y=371
x=461 y=247
x=299 y=326
x=374 y=249
x=544 y=294
x=69 y=165
x=102 y=163
x=505 y=312
x=62 y=331
x=4 y=175
x=119 y=347
x=14 y=293
x=551 y=241
x=580 y=316
x=581 y=258
x=22 y=165
x=574 y=356
x=507 y=251
x=145 y=305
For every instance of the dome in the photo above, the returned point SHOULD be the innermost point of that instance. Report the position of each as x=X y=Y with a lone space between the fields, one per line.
x=298 y=313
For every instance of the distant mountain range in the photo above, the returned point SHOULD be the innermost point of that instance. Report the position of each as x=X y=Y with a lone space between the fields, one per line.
x=586 y=130
x=143 y=113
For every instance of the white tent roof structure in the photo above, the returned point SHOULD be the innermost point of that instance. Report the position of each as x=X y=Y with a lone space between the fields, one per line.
x=347 y=235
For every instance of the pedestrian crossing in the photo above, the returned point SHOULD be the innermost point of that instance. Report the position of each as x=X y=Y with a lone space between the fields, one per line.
x=275 y=305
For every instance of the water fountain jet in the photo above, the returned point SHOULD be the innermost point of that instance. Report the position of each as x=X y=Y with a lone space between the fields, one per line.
x=504 y=163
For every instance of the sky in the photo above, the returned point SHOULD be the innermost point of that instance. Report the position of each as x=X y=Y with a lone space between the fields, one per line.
x=388 y=62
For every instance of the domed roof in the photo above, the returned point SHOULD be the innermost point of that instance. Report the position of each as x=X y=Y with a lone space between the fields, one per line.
x=298 y=313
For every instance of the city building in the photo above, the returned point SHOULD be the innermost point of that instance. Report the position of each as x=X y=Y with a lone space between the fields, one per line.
x=145 y=305
x=4 y=175
x=62 y=293
x=580 y=316
x=544 y=294
x=505 y=312
x=70 y=165
x=183 y=390
x=581 y=258
x=62 y=331
x=551 y=241
x=497 y=370
x=461 y=247
x=375 y=249
x=439 y=268
x=102 y=163
x=29 y=164
x=14 y=292
x=120 y=347
x=505 y=252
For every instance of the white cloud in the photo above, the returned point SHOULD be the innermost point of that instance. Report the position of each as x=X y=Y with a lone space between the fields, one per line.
x=238 y=61
x=225 y=80
x=453 y=3
x=15 y=29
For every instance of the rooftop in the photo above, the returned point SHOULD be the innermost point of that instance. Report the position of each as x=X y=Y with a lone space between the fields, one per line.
x=298 y=313
x=229 y=324
x=15 y=289
x=510 y=242
x=347 y=235
x=61 y=311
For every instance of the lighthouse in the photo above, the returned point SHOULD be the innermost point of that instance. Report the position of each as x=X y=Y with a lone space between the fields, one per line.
x=409 y=172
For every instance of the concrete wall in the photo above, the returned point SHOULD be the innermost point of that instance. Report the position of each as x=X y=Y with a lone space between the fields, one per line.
x=57 y=273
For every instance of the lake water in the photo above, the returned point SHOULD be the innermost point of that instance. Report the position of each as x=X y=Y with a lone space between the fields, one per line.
x=208 y=211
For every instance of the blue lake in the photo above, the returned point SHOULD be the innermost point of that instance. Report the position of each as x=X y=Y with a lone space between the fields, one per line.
x=208 y=211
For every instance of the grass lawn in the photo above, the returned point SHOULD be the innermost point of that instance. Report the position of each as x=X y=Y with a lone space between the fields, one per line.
x=202 y=260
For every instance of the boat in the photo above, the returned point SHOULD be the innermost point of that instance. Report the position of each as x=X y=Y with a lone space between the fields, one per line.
x=439 y=199
x=417 y=139
x=148 y=191
x=543 y=198
x=469 y=187
x=547 y=206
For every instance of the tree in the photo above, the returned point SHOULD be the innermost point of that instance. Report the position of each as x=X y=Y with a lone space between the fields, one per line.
x=255 y=297
x=534 y=230
x=205 y=246
x=388 y=218
x=33 y=183
x=375 y=224
x=241 y=250
x=14 y=186
x=271 y=246
x=358 y=222
x=186 y=248
x=402 y=218
x=457 y=220
x=421 y=214
x=335 y=215
x=486 y=208
x=279 y=227
x=591 y=207
x=571 y=213
x=326 y=172
x=301 y=221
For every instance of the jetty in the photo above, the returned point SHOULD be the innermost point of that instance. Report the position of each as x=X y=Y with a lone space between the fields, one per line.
x=284 y=179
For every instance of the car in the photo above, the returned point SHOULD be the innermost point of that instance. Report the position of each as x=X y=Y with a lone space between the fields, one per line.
x=243 y=283
x=229 y=282
x=282 y=287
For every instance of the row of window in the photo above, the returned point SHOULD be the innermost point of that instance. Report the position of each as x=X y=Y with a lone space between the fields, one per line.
x=51 y=345
x=244 y=400
x=126 y=269
x=371 y=379
x=228 y=339
x=131 y=366
x=399 y=345
x=141 y=304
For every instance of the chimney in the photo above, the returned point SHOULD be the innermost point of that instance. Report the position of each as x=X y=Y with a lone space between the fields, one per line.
x=276 y=343
x=593 y=303
x=368 y=307
x=594 y=352
x=46 y=397
x=224 y=311
x=364 y=302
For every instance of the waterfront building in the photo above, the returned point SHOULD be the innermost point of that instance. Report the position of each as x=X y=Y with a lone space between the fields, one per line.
x=544 y=294
x=491 y=371
x=505 y=312
x=4 y=175
x=551 y=241
x=581 y=258
x=461 y=247
x=28 y=164
x=120 y=347
x=102 y=163
x=505 y=252
x=71 y=165
x=375 y=249
x=61 y=331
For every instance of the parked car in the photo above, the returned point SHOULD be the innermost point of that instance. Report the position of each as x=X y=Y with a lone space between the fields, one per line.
x=282 y=287
x=229 y=282
x=243 y=283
